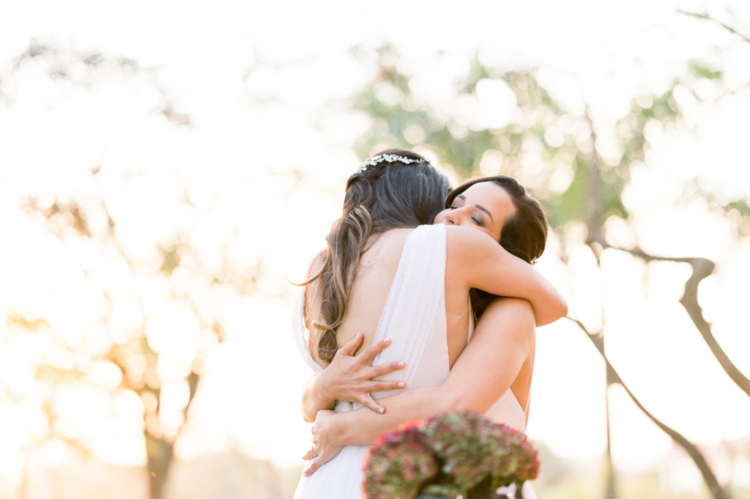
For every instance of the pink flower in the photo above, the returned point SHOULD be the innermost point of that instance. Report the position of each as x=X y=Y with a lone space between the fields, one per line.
x=456 y=451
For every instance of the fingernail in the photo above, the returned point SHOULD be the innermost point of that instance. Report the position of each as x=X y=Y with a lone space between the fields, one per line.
x=401 y=363
x=401 y=384
x=381 y=410
x=387 y=340
x=305 y=473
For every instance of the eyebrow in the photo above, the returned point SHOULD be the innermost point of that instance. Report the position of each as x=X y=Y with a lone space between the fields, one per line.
x=480 y=207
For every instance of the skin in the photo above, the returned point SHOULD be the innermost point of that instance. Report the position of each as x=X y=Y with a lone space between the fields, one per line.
x=484 y=207
x=499 y=354
x=501 y=350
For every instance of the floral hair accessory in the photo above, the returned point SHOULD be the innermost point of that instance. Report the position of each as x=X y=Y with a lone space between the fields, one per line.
x=390 y=158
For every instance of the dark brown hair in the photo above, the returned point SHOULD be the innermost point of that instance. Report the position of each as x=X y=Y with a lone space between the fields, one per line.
x=523 y=235
x=382 y=197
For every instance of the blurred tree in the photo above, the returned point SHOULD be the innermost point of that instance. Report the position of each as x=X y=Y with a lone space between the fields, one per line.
x=506 y=121
x=134 y=353
x=704 y=16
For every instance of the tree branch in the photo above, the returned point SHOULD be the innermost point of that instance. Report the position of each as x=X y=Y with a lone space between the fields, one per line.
x=706 y=17
x=594 y=207
x=702 y=268
x=192 y=379
x=692 y=450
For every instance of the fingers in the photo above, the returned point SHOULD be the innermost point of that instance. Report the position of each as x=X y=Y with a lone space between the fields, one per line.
x=314 y=465
x=374 y=349
x=369 y=402
x=313 y=452
x=325 y=456
x=386 y=368
x=352 y=346
x=378 y=386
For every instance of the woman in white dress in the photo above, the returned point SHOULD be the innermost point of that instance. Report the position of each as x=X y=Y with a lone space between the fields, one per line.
x=382 y=277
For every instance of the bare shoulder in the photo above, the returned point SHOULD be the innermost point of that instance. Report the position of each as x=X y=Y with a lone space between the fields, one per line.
x=464 y=241
x=384 y=247
x=390 y=237
x=465 y=235
x=459 y=234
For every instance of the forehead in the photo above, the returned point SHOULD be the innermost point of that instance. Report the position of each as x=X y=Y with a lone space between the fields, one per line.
x=490 y=195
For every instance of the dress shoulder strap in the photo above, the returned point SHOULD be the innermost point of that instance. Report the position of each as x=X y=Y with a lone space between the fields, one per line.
x=528 y=395
x=472 y=324
x=419 y=280
x=414 y=313
x=415 y=298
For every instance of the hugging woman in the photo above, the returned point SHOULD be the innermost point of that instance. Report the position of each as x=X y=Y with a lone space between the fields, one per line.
x=389 y=277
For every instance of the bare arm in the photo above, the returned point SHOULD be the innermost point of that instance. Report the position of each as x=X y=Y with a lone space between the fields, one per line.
x=349 y=378
x=483 y=372
x=476 y=261
x=314 y=399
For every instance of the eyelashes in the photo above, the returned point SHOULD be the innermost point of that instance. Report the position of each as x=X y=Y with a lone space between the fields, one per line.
x=473 y=218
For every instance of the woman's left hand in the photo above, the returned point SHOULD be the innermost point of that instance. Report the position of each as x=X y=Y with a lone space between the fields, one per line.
x=325 y=447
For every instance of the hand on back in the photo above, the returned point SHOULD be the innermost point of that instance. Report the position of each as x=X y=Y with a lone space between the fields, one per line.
x=350 y=377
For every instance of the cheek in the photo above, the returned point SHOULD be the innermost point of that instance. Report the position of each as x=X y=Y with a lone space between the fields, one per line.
x=440 y=217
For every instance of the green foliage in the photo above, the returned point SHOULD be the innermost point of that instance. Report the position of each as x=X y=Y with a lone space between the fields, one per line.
x=705 y=72
x=577 y=167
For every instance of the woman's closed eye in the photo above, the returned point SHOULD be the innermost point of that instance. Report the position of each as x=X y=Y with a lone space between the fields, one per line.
x=474 y=217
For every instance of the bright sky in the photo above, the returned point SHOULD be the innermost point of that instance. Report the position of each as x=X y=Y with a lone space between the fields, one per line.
x=250 y=134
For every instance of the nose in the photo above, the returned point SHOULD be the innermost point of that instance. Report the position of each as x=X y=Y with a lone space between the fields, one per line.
x=451 y=218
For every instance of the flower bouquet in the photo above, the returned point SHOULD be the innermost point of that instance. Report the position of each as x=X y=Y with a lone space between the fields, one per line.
x=447 y=455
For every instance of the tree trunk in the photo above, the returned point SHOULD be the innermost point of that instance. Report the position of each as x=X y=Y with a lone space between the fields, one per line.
x=160 y=453
x=594 y=223
x=708 y=476
x=702 y=268
x=610 y=490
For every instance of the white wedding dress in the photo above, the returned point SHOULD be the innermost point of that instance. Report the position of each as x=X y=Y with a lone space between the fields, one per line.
x=415 y=321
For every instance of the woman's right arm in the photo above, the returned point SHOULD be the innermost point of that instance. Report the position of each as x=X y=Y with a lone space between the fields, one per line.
x=483 y=372
x=477 y=261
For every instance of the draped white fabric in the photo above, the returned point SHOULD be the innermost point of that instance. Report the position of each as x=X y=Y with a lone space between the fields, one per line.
x=414 y=319
x=508 y=411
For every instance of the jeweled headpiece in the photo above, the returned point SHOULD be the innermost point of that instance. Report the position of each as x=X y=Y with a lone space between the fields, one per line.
x=390 y=158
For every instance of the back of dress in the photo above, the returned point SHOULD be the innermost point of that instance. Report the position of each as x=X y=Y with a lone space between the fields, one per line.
x=414 y=319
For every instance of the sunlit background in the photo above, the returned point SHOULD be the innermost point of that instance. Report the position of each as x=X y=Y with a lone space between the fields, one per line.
x=165 y=167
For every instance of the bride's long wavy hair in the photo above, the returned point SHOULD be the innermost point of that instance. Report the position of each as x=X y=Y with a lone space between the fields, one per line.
x=382 y=197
